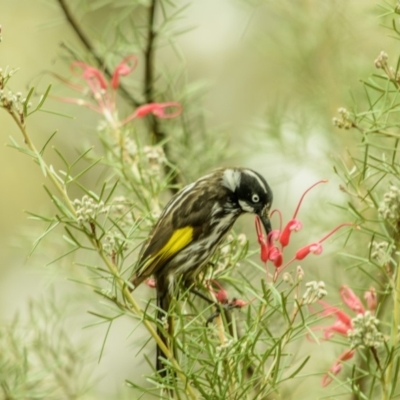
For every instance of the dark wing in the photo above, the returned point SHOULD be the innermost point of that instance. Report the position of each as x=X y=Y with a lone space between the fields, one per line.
x=174 y=231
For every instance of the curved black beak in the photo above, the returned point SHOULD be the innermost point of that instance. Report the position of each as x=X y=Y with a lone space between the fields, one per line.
x=264 y=215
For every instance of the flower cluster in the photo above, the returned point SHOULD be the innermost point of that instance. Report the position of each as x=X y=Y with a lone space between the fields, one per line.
x=389 y=209
x=343 y=121
x=14 y=103
x=103 y=93
x=365 y=331
x=314 y=291
x=121 y=212
x=5 y=76
x=114 y=242
x=273 y=245
x=361 y=330
x=156 y=158
x=380 y=252
x=381 y=61
x=87 y=209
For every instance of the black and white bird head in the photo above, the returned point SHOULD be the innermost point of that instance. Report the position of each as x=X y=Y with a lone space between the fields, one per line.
x=250 y=192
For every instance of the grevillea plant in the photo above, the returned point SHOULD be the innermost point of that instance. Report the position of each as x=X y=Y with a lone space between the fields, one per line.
x=241 y=337
x=223 y=349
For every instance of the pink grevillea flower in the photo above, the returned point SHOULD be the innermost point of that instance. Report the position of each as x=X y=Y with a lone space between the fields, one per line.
x=221 y=294
x=316 y=247
x=272 y=246
x=262 y=240
x=351 y=300
x=104 y=97
x=124 y=68
x=268 y=250
x=222 y=297
x=343 y=321
x=160 y=110
x=337 y=366
x=238 y=303
x=342 y=325
x=371 y=299
x=151 y=283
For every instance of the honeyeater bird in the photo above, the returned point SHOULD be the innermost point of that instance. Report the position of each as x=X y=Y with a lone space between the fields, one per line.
x=190 y=228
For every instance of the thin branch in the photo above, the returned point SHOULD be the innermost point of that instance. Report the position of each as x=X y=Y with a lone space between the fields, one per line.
x=149 y=73
x=149 y=55
x=158 y=135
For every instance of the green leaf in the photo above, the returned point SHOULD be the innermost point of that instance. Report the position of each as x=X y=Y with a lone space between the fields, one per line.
x=42 y=100
x=47 y=142
x=28 y=97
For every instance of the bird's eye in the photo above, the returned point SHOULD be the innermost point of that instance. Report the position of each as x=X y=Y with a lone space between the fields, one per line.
x=255 y=198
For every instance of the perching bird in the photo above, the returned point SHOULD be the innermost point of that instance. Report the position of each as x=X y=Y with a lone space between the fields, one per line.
x=192 y=225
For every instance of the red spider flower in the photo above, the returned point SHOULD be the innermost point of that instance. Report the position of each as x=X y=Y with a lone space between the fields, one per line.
x=337 y=366
x=342 y=325
x=103 y=93
x=273 y=245
x=222 y=297
x=221 y=294
x=157 y=109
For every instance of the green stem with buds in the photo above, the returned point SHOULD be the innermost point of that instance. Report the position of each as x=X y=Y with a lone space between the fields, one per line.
x=110 y=265
x=394 y=337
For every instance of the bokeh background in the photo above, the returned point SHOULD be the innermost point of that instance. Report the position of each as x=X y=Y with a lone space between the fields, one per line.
x=275 y=74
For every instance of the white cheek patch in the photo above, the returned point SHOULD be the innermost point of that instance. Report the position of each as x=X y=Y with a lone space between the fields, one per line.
x=231 y=179
x=246 y=207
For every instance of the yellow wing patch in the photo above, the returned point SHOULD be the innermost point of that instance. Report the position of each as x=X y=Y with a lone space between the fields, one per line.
x=179 y=239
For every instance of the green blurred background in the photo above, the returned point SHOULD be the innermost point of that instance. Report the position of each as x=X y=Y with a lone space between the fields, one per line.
x=276 y=73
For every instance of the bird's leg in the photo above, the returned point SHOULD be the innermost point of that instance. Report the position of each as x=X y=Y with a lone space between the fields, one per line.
x=190 y=285
x=202 y=296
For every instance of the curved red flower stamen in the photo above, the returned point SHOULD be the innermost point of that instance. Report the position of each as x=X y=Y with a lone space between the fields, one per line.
x=159 y=110
x=276 y=211
x=124 y=68
x=316 y=247
x=90 y=74
x=294 y=225
x=303 y=195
